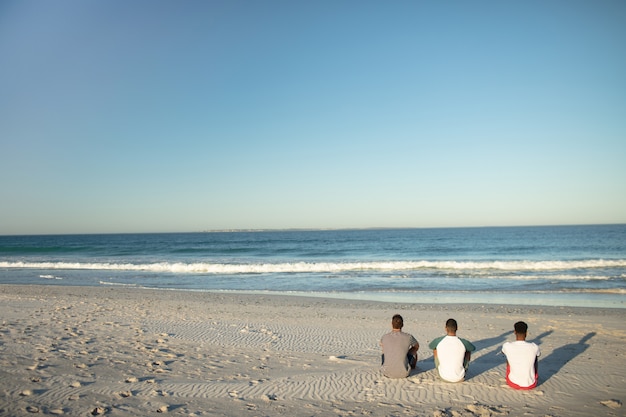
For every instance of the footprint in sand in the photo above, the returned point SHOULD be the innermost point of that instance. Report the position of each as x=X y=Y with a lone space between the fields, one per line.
x=613 y=404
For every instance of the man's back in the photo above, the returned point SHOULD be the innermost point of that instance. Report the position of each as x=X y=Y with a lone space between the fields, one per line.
x=521 y=357
x=396 y=345
x=450 y=356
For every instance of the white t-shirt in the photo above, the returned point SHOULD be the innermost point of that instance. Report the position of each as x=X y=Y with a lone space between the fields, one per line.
x=451 y=354
x=521 y=356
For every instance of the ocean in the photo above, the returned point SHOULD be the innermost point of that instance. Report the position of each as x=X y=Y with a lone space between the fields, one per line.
x=544 y=265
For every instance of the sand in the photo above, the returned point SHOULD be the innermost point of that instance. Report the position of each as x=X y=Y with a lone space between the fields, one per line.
x=82 y=351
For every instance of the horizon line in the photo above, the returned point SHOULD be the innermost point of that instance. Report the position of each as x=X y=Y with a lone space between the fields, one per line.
x=311 y=229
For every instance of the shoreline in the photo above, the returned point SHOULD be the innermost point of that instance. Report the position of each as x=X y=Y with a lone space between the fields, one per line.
x=130 y=351
x=293 y=298
x=570 y=299
x=612 y=299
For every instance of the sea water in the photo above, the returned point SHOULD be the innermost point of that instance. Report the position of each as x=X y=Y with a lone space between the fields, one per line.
x=557 y=265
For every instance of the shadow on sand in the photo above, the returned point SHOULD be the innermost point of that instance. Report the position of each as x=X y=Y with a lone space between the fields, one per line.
x=552 y=364
x=548 y=366
x=428 y=363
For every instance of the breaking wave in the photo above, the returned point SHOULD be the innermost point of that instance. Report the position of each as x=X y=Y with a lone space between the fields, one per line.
x=322 y=267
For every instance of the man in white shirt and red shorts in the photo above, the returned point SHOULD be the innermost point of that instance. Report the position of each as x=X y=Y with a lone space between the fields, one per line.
x=521 y=360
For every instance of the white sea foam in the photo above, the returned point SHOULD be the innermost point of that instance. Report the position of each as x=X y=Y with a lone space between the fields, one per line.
x=321 y=267
x=49 y=277
x=117 y=284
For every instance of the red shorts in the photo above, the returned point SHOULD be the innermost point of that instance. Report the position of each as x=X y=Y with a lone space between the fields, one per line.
x=514 y=385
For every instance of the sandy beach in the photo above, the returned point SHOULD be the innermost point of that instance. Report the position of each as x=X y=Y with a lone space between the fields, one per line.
x=84 y=351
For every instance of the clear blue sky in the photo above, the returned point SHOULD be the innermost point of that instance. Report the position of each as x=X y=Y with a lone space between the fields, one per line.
x=140 y=116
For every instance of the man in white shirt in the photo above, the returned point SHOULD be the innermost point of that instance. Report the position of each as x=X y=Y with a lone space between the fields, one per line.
x=399 y=350
x=521 y=360
x=452 y=354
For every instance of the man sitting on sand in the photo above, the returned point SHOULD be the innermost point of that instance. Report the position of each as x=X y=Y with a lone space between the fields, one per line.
x=451 y=353
x=521 y=359
x=399 y=350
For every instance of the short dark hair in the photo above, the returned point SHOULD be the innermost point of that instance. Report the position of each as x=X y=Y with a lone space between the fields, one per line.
x=451 y=325
x=397 y=322
x=521 y=327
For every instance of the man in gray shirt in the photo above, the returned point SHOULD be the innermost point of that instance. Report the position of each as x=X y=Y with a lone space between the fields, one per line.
x=399 y=350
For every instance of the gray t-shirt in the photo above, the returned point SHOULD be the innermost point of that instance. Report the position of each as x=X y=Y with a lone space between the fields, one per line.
x=396 y=347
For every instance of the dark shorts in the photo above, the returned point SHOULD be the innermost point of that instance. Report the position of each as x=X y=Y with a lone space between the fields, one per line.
x=412 y=359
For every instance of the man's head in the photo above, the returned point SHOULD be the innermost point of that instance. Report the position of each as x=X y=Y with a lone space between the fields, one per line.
x=451 y=326
x=397 y=322
x=521 y=328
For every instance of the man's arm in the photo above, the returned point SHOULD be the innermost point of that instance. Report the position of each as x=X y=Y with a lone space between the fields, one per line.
x=435 y=342
x=469 y=347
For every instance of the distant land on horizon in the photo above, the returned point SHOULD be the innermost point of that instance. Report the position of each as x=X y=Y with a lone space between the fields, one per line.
x=313 y=229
